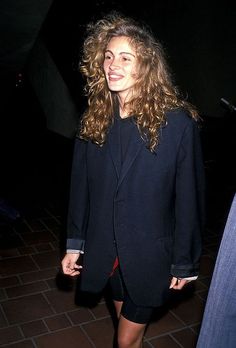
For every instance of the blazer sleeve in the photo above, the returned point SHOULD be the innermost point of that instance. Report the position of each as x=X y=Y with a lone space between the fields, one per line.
x=189 y=204
x=78 y=207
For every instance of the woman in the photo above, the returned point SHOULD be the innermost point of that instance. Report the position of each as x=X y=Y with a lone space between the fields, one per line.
x=136 y=198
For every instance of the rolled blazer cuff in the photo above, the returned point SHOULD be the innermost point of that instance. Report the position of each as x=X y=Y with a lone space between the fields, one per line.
x=185 y=271
x=75 y=244
x=74 y=251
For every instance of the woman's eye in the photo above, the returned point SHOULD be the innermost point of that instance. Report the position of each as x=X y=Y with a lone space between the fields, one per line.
x=108 y=56
x=125 y=59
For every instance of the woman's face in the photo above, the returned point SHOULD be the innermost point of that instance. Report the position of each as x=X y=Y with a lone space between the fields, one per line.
x=120 y=67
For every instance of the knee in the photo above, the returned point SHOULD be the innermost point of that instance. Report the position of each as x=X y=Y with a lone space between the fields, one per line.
x=129 y=341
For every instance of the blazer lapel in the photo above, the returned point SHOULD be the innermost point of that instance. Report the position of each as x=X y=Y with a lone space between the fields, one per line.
x=134 y=147
x=113 y=141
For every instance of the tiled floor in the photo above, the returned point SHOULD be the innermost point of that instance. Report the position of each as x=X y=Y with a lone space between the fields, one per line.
x=39 y=306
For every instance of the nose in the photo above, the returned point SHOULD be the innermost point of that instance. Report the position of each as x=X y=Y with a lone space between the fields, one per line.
x=114 y=64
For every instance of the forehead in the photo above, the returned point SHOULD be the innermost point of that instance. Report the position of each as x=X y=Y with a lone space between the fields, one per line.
x=120 y=43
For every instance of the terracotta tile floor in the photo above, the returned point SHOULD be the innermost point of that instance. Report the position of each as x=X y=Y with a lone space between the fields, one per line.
x=39 y=306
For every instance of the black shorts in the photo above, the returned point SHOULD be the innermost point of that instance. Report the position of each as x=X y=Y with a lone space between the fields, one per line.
x=129 y=310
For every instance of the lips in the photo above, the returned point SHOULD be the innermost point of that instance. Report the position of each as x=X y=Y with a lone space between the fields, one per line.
x=114 y=77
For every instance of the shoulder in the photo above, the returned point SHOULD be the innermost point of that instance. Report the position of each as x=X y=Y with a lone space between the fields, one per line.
x=80 y=145
x=80 y=142
x=179 y=117
x=180 y=120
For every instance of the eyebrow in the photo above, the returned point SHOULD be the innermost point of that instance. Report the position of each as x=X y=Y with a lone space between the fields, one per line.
x=131 y=54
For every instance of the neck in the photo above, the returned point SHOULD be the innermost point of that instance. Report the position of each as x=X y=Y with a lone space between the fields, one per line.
x=122 y=108
x=123 y=112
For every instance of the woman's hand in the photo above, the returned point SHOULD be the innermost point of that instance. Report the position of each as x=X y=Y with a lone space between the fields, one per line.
x=69 y=265
x=178 y=283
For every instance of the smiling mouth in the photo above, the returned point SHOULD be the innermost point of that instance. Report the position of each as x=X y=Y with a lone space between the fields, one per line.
x=113 y=77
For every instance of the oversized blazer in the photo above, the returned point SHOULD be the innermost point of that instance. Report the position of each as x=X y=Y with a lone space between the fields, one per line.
x=149 y=213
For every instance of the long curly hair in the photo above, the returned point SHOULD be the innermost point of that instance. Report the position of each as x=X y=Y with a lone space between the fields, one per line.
x=153 y=93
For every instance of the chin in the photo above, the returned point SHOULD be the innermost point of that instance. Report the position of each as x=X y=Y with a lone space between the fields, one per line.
x=114 y=89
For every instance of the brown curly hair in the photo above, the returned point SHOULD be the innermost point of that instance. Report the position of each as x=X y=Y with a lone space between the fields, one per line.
x=154 y=92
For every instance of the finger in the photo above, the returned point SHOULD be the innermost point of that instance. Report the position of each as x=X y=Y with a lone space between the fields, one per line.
x=180 y=284
x=75 y=272
x=174 y=281
x=67 y=267
x=72 y=271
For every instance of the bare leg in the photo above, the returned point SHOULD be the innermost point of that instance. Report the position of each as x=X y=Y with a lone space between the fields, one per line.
x=130 y=334
x=118 y=305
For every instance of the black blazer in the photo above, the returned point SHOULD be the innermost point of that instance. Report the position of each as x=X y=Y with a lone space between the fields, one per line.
x=150 y=213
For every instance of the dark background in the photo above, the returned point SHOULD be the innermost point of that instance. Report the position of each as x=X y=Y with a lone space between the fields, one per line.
x=41 y=89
